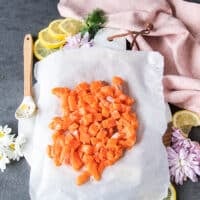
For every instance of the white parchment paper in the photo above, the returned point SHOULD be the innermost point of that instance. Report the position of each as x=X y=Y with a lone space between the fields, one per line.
x=142 y=174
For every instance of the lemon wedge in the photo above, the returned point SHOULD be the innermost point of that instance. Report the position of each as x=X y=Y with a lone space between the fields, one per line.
x=40 y=51
x=171 y=193
x=55 y=31
x=185 y=120
x=48 y=41
x=70 y=26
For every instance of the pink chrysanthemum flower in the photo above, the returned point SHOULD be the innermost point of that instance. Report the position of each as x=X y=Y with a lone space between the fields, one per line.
x=78 y=41
x=183 y=158
x=179 y=141
x=182 y=164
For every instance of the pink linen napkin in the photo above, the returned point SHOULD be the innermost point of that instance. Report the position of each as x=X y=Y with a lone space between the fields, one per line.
x=176 y=35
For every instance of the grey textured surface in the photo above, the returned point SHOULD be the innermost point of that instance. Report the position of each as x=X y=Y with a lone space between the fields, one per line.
x=18 y=17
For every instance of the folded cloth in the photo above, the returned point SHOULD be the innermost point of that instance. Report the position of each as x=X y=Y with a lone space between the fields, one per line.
x=175 y=35
x=133 y=177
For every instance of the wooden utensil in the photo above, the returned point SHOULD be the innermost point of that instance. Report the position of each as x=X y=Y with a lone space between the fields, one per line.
x=27 y=108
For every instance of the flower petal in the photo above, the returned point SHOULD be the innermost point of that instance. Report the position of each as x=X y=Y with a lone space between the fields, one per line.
x=190 y=174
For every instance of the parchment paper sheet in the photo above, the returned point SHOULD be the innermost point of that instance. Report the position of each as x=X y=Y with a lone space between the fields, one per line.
x=142 y=174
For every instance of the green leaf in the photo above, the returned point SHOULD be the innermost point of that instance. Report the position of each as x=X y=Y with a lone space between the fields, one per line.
x=94 y=21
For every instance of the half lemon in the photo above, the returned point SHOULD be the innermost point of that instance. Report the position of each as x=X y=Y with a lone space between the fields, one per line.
x=55 y=31
x=48 y=41
x=171 y=193
x=40 y=51
x=185 y=120
x=71 y=26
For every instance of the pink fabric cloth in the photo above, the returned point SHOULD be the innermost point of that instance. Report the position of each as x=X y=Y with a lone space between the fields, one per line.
x=176 y=35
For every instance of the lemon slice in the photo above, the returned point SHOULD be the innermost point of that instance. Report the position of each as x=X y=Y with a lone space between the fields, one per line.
x=40 y=51
x=185 y=120
x=71 y=26
x=171 y=193
x=48 y=41
x=54 y=30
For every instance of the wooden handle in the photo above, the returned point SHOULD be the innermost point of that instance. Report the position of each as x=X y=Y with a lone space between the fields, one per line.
x=28 y=62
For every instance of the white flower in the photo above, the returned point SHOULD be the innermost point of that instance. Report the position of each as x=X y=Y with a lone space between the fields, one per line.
x=5 y=130
x=15 y=148
x=5 y=137
x=11 y=147
x=3 y=161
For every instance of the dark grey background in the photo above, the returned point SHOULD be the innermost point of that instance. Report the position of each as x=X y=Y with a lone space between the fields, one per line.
x=18 y=17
